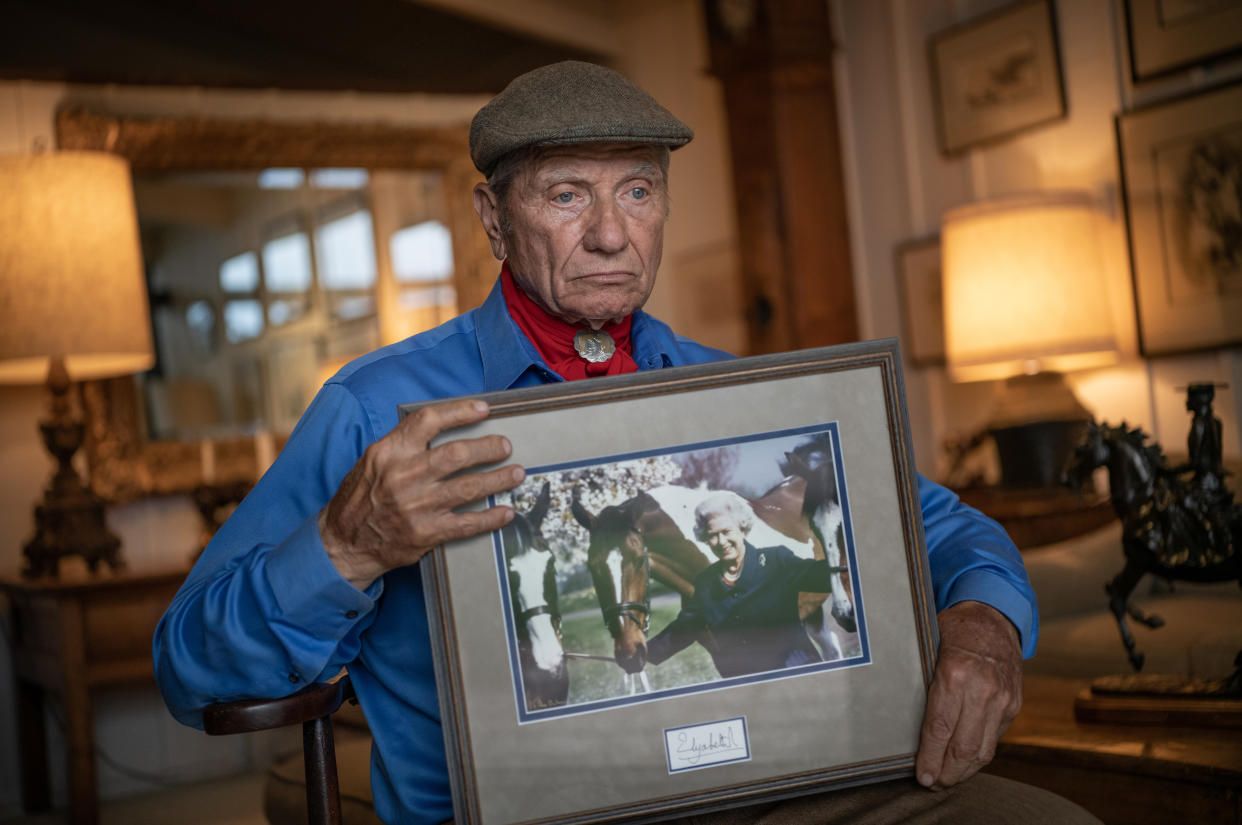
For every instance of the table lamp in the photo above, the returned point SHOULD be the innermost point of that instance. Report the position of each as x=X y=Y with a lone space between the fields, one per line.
x=73 y=306
x=1025 y=302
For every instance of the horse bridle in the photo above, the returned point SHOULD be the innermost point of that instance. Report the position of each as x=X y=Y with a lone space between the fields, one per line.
x=637 y=612
x=550 y=606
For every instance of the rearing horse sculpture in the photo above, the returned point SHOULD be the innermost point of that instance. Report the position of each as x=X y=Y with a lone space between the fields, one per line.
x=536 y=612
x=1167 y=529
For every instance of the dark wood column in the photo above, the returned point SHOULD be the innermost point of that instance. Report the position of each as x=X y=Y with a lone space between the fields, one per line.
x=774 y=60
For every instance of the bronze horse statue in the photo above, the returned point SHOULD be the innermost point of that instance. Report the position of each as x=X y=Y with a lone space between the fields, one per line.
x=1171 y=527
x=533 y=594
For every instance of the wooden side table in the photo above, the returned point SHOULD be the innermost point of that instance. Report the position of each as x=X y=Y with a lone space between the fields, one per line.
x=68 y=638
x=1037 y=517
x=1124 y=774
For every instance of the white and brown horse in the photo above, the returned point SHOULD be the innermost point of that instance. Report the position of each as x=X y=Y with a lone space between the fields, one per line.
x=536 y=612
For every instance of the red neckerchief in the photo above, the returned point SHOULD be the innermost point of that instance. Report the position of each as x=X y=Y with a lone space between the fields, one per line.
x=555 y=339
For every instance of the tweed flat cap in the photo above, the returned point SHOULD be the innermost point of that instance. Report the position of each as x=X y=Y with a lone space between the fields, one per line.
x=570 y=102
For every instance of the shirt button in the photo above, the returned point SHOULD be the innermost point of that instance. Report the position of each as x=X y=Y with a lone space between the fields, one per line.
x=352 y=614
x=293 y=677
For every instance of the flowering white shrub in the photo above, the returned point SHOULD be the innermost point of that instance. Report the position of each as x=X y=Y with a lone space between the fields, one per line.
x=599 y=486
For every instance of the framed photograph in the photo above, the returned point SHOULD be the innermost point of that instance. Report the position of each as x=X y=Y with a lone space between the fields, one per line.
x=1181 y=175
x=997 y=75
x=715 y=593
x=1168 y=35
x=922 y=301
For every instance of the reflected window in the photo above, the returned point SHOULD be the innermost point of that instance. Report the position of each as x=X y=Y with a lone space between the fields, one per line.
x=349 y=306
x=346 y=250
x=279 y=178
x=339 y=178
x=287 y=264
x=240 y=273
x=286 y=310
x=200 y=317
x=243 y=320
x=422 y=252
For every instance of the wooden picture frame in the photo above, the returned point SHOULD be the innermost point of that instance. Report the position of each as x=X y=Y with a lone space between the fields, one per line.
x=718 y=739
x=1165 y=37
x=1181 y=169
x=997 y=75
x=920 y=291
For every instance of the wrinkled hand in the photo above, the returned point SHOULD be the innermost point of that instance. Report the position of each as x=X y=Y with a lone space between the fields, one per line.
x=398 y=501
x=976 y=692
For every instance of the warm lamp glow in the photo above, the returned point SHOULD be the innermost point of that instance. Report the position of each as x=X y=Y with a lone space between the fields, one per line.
x=73 y=305
x=71 y=279
x=1024 y=288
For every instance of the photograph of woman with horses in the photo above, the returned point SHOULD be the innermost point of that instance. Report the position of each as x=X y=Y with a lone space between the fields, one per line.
x=635 y=577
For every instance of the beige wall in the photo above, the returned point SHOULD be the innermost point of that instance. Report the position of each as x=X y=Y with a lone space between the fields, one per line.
x=899 y=185
x=660 y=43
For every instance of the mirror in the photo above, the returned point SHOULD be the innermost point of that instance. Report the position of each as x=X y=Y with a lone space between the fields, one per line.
x=275 y=253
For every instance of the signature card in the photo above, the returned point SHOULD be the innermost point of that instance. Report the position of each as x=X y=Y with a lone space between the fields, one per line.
x=711 y=743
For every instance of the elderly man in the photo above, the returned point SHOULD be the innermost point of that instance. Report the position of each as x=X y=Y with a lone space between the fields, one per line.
x=317 y=569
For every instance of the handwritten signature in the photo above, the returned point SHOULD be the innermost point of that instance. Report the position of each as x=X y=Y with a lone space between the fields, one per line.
x=691 y=749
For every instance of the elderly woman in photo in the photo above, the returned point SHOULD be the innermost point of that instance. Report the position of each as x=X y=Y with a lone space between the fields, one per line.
x=744 y=610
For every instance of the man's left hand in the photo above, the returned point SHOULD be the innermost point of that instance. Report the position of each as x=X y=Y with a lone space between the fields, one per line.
x=976 y=692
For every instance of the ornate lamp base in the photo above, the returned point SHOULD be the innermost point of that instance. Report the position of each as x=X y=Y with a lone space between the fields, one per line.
x=70 y=519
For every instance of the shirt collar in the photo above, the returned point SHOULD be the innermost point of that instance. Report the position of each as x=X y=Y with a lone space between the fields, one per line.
x=503 y=349
x=507 y=354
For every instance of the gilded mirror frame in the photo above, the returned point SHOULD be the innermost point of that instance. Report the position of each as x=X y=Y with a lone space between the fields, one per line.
x=123 y=463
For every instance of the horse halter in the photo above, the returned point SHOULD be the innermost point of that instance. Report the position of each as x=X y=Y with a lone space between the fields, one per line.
x=637 y=612
x=550 y=606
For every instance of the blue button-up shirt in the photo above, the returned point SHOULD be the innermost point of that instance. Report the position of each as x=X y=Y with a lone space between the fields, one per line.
x=264 y=612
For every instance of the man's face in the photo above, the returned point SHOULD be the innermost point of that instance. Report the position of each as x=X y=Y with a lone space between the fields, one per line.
x=726 y=540
x=586 y=230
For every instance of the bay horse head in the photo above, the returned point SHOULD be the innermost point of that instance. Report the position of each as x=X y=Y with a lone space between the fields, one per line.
x=537 y=616
x=620 y=567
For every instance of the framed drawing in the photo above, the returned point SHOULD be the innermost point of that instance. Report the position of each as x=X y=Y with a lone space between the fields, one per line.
x=996 y=75
x=1168 y=35
x=595 y=637
x=922 y=301
x=1181 y=175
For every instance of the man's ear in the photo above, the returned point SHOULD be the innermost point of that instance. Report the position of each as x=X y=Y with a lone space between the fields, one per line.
x=486 y=205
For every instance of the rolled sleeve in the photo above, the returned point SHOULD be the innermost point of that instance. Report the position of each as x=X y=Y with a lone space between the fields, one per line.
x=972 y=558
x=309 y=591
x=981 y=585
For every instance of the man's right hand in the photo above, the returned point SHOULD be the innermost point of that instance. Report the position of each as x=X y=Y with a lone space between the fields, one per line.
x=398 y=501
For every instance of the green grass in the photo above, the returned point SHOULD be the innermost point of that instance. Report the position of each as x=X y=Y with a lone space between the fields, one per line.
x=591 y=681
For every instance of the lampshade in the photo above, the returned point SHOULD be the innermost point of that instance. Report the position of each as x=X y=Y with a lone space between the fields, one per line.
x=71 y=278
x=1023 y=288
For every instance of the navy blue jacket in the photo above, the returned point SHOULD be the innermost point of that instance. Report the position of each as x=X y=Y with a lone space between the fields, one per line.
x=752 y=625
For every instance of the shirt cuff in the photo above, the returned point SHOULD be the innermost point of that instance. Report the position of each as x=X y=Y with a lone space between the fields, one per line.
x=309 y=590
x=995 y=592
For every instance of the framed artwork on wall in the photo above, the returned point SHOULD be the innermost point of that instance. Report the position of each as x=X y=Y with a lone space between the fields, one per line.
x=661 y=699
x=919 y=289
x=996 y=75
x=1181 y=175
x=1168 y=35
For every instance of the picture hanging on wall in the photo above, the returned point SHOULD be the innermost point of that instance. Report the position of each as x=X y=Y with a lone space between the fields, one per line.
x=1168 y=35
x=1181 y=168
x=922 y=301
x=997 y=75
